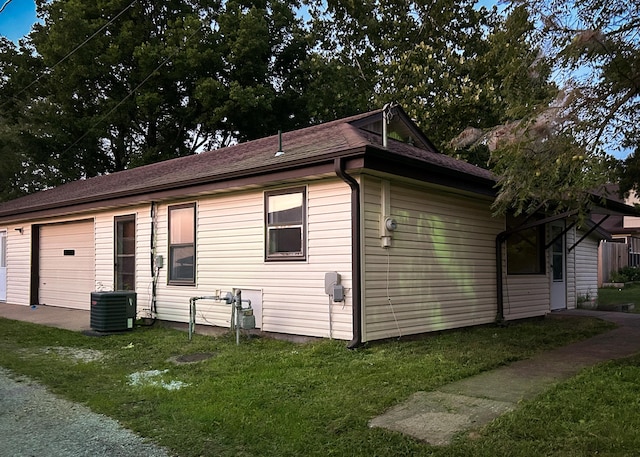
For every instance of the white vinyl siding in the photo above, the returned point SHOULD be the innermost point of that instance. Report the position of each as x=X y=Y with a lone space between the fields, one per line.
x=525 y=296
x=67 y=264
x=440 y=270
x=529 y=295
x=18 y=265
x=102 y=270
x=230 y=247
x=586 y=261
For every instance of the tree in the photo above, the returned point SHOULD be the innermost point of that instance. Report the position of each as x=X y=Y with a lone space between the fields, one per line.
x=155 y=80
x=540 y=149
x=264 y=48
x=124 y=83
x=458 y=68
x=113 y=91
x=451 y=64
x=417 y=53
x=595 y=45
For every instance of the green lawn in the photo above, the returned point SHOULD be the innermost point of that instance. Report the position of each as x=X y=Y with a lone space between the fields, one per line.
x=275 y=398
x=610 y=296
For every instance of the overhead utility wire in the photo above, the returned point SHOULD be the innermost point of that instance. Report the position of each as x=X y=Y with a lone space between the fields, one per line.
x=5 y=5
x=72 y=51
x=131 y=92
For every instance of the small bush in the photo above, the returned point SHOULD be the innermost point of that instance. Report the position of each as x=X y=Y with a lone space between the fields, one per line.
x=632 y=273
x=626 y=274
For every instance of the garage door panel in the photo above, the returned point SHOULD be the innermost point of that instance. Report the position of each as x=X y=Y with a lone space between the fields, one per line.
x=67 y=264
x=68 y=299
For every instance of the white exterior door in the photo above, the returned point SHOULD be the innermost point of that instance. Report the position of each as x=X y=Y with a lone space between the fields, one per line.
x=67 y=264
x=558 y=268
x=3 y=266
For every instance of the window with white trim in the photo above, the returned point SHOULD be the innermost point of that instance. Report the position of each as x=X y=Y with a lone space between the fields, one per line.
x=182 y=244
x=285 y=223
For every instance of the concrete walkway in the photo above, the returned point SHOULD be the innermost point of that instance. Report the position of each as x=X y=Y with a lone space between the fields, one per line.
x=435 y=417
x=52 y=316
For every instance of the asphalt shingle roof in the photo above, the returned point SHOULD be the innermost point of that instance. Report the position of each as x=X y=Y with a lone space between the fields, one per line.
x=304 y=146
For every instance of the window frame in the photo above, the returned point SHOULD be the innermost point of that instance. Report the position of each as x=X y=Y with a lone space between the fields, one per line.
x=539 y=267
x=171 y=247
x=269 y=228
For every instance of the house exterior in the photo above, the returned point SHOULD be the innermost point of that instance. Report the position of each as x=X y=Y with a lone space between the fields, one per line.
x=409 y=232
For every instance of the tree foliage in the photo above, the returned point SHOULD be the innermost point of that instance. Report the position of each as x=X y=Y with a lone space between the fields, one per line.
x=595 y=45
x=453 y=66
x=124 y=83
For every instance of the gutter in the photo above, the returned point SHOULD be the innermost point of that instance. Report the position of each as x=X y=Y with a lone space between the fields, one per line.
x=147 y=194
x=356 y=270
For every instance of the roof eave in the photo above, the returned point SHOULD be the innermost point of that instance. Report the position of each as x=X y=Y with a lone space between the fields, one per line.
x=414 y=168
x=605 y=205
x=149 y=191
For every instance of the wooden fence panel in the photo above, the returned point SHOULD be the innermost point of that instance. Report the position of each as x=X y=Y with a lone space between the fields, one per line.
x=611 y=257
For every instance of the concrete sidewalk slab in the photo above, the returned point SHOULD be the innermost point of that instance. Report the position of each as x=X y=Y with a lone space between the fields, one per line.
x=52 y=316
x=436 y=417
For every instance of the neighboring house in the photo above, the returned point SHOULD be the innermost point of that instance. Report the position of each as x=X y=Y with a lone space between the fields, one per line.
x=409 y=231
x=622 y=249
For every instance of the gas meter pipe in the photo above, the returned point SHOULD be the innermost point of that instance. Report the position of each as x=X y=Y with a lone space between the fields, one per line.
x=192 y=309
x=238 y=308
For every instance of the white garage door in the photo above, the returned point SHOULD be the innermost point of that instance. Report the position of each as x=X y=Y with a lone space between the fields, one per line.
x=67 y=264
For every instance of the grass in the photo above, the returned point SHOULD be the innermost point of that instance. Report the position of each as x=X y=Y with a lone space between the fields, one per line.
x=275 y=398
x=610 y=296
x=594 y=413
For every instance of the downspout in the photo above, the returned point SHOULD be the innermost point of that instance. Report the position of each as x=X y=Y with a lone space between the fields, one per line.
x=355 y=252
x=500 y=239
x=154 y=269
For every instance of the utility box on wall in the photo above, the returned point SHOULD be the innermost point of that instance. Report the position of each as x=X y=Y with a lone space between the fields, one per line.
x=113 y=311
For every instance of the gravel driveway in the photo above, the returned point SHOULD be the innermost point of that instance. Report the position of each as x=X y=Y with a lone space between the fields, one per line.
x=34 y=422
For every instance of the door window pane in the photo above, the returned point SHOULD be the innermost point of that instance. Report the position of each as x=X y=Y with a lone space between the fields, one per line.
x=557 y=253
x=3 y=250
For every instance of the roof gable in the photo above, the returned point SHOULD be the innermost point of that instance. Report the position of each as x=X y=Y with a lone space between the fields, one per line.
x=400 y=127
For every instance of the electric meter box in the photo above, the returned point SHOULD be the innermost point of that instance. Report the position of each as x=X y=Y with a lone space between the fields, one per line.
x=113 y=311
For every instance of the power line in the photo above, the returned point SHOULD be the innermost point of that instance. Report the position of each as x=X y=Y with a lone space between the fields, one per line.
x=71 y=52
x=5 y=5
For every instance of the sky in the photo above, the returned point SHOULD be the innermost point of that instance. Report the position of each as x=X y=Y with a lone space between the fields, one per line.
x=16 y=18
